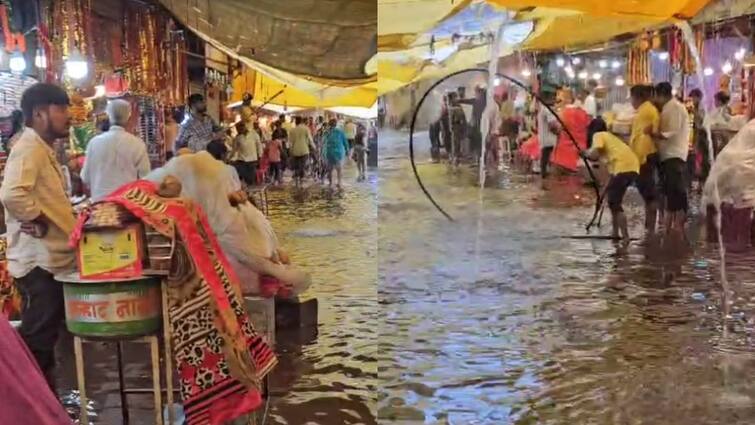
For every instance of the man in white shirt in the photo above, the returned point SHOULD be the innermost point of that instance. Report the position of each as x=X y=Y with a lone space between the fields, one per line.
x=548 y=129
x=673 y=147
x=39 y=218
x=350 y=129
x=301 y=145
x=247 y=150
x=590 y=104
x=116 y=157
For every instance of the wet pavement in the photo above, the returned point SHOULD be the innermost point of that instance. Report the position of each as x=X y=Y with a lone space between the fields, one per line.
x=326 y=375
x=497 y=318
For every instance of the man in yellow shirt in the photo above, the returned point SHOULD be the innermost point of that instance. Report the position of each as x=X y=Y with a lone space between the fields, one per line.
x=643 y=146
x=624 y=168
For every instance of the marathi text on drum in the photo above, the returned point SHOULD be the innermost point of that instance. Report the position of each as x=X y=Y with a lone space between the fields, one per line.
x=114 y=309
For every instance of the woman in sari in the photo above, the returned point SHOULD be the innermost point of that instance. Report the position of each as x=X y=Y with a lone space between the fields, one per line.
x=566 y=154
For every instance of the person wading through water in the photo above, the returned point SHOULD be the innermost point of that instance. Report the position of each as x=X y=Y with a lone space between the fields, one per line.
x=624 y=168
x=642 y=145
x=672 y=138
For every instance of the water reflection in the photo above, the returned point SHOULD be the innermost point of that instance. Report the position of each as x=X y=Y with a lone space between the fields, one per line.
x=496 y=318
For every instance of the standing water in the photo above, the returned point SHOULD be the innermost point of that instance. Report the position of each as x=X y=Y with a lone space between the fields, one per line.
x=522 y=326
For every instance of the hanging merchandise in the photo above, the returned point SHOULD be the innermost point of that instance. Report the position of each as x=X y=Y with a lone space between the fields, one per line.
x=149 y=127
x=11 y=88
x=115 y=85
x=688 y=63
x=638 y=63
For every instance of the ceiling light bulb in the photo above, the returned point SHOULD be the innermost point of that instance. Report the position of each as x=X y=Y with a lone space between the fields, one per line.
x=583 y=75
x=727 y=67
x=526 y=72
x=663 y=56
x=576 y=61
x=619 y=81
x=603 y=63
x=497 y=82
x=77 y=66
x=17 y=62
x=740 y=54
x=708 y=71
x=596 y=76
x=560 y=62
x=615 y=64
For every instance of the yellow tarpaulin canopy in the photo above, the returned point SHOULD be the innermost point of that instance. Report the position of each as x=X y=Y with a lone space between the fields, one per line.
x=652 y=10
x=400 y=22
x=559 y=24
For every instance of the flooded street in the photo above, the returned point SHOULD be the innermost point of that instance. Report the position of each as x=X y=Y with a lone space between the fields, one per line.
x=330 y=378
x=497 y=318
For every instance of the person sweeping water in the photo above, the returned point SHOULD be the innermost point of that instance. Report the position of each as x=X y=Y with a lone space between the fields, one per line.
x=624 y=168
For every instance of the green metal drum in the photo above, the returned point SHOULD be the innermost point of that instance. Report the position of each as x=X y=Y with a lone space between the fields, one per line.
x=112 y=309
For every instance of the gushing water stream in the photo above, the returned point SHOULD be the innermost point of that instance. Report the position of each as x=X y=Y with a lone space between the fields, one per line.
x=689 y=37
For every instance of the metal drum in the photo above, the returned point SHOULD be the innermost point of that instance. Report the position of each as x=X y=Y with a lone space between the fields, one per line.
x=112 y=309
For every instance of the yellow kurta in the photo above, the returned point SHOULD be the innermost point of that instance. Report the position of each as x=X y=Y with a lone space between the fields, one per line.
x=642 y=144
x=620 y=158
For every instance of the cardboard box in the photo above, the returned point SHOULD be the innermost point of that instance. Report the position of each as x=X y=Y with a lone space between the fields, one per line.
x=106 y=254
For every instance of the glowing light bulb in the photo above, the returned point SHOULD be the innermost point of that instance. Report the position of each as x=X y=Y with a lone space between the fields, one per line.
x=619 y=81
x=497 y=82
x=727 y=67
x=40 y=60
x=99 y=91
x=526 y=72
x=663 y=56
x=615 y=64
x=576 y=61
x=603 y=63
x=740 y=54
x=596 y=76
x=583 y=75
x=560 y=62
x=77 y=66
x=708 y=71
x=17 y=62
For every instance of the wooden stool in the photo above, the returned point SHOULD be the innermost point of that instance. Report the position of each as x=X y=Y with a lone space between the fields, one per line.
x=156 y=390
x=259 y=194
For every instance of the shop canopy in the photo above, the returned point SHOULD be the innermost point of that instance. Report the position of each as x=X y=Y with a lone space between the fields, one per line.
x=558 y=25
x=316 y=51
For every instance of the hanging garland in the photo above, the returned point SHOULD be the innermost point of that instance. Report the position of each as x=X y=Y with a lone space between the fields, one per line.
x=638 y=63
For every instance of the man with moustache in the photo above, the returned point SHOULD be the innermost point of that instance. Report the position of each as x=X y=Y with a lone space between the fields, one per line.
x=39 y=218
x=198 y=130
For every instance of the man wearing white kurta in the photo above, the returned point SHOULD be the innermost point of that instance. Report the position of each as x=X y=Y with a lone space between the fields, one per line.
x=115 y=157
x=673 y=148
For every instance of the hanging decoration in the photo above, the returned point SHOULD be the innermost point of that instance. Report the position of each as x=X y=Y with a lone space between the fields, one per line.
x=638 y=62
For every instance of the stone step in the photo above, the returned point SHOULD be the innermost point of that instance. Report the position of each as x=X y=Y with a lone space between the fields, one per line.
x=296 y=313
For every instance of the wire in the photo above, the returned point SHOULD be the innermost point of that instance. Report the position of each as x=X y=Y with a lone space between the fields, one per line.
x=267 y=400
x=599 y=197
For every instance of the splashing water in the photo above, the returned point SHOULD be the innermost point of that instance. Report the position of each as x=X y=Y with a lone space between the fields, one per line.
x=490 y=112
x=689 y=37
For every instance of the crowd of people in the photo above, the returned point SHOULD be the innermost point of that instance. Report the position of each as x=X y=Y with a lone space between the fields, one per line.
x=262 y=151
x=665 y=149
